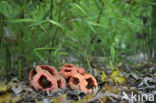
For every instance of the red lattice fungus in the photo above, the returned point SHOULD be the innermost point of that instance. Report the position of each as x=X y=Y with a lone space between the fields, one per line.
x=85 y=83
x=69 y=70
x=46 y=78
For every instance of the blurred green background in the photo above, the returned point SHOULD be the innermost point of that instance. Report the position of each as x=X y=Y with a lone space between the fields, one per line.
x=55 y=32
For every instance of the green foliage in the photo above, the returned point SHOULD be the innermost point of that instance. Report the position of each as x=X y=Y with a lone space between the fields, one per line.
x=49 y=30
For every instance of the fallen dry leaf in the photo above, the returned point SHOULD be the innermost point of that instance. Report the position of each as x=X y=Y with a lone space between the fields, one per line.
x=3 y=87
x=116 y=76
x=5 y=98
x=103 y=77
x=16 y=99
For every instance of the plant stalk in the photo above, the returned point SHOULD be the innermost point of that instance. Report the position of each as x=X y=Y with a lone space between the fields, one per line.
x=1 y=28
x=153 y=34
x=20 y=50
x=51 y=29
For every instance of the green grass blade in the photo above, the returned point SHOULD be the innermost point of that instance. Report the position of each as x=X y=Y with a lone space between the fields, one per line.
x=151 y=3
x=129 y=22
x=56 y=23
x=19 y=20
x=112 y=50
x=36 y=23
x=3 y=9
x=107 y=4
x=95 y=24
x=79 y=7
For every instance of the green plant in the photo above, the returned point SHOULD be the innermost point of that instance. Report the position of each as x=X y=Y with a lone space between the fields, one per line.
x=47 y=30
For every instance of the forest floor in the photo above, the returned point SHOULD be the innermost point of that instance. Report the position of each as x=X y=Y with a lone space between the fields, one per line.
x=125 y=84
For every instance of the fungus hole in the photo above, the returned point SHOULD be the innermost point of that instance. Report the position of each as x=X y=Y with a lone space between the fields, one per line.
x=90 y=84
x=50 y=70
x=69 y=66
x=75 y=81
x=59 y=83
x=33 y=73
x=43 y=82
x=67 y=70
x=68 y=79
